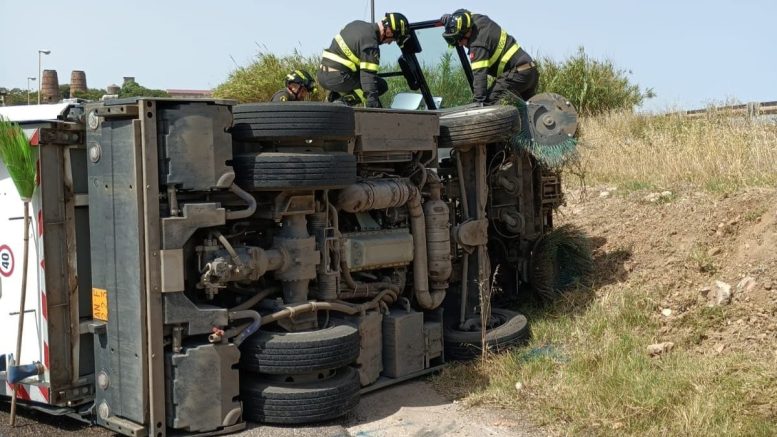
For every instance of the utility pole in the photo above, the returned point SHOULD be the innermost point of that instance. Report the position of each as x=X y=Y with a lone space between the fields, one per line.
x=40 y=52
x=372 y=11
x=28 y=89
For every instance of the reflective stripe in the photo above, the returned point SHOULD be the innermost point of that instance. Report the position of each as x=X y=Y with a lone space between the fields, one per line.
x=333 y=57
x=506 y=57
x=500 y=48
x=360 y=94
x=369 y=66
x=480 y=65
x=345 y=49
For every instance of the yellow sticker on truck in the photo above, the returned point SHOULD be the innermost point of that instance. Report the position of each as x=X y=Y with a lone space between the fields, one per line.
x=100 y=304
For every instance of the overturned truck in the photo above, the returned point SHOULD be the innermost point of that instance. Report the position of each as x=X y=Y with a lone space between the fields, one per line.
x=201 y=263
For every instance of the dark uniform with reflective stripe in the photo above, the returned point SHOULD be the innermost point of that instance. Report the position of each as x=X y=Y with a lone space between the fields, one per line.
x=284 y=95
x=493 y=52
x=350 y=64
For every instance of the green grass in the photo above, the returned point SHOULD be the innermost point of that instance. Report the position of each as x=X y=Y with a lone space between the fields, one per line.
x=599 y=380
x=636 y=185
x=755 y=214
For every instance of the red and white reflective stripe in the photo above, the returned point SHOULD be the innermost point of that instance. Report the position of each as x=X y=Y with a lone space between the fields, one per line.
x=41 y=393
x=35 y=138
x=40 y=223
x=29 y=392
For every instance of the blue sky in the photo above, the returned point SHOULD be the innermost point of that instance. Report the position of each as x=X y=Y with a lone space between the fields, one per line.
x=690 y=52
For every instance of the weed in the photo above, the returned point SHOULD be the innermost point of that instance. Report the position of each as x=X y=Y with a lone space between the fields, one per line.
x=755 y=214
x=702 y=260
x=636 y=185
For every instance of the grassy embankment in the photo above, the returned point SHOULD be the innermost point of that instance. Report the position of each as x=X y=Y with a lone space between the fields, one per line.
x=586 y=370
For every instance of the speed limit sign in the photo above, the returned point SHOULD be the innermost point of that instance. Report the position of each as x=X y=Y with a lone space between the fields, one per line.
x=6 y=261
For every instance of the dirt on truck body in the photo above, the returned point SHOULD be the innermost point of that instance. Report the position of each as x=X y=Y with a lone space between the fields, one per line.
x=202 y=263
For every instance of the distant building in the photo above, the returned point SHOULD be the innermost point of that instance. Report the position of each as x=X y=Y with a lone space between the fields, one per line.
x=188 y=94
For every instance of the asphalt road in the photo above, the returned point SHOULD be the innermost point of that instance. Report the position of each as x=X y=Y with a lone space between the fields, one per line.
x=409 y=409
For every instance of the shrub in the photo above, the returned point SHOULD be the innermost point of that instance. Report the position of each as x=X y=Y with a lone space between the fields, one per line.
x=593 y=86
x=258 y=81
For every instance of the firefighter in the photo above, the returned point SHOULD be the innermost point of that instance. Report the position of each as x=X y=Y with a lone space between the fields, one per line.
x=299 y=84
x=492 y=51
x=349 y=67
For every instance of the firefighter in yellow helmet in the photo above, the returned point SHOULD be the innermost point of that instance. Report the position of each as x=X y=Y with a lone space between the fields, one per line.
x=349 y=67
x=299 y=84
x=492 y=51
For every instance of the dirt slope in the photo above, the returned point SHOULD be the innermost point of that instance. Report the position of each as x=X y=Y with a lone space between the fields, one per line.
x=677 y=245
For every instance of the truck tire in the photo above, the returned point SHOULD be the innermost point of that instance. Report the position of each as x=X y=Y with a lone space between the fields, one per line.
x=465 y=345
x=478 y=125
x=298 y=403
x=304 y=120
x=280 y=171
x=295 y=353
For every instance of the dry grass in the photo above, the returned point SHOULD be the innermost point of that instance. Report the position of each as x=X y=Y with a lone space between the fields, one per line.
x=588 y=373
x=715 y=152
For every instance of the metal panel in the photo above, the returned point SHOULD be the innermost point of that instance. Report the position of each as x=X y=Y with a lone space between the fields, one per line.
x=194 y=145
x=152 y=263
x=394 y=130
x=117 y=260
x=204 y=386
x=59 y=280
x=172 y=269
x=403 y=343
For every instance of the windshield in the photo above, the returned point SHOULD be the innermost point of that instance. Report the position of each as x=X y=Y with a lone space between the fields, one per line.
x=441 y=68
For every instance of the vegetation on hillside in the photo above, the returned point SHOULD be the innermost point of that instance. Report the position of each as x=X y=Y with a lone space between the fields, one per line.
x=716 y=151
x=259 y=80
x=586 y=369
x=593 y=86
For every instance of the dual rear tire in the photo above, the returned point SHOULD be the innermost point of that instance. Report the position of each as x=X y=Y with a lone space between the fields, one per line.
x=300 y=377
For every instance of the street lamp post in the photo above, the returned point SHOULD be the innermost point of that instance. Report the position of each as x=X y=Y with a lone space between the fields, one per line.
x=28 y=89
x=40 y=52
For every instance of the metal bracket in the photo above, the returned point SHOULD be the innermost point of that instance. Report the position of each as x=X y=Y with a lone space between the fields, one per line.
x=123 y=426
x=472 y=233
x=117 y=111
x=74 y=395
x=92 y=326
x=289 y=203
x=62 y=134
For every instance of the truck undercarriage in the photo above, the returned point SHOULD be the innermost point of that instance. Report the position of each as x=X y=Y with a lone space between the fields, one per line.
x=208 y=263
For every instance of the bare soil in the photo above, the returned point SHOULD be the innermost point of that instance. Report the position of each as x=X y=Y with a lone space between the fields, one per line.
x=676 y=245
